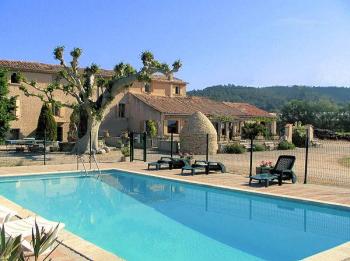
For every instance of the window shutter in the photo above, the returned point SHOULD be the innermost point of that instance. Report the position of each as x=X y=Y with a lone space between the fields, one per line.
x=18 y=108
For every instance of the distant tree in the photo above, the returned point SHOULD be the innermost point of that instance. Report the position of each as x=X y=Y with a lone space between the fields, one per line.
x=297 y=111
x=46 y=122
x=7 y=106
x=326 y=115
x=344 y=118
x=273 y=98
x=251 y=130
x=322 y=114
x=151 y=128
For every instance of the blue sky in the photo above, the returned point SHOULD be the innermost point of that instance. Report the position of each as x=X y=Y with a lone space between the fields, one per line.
x=248 y=42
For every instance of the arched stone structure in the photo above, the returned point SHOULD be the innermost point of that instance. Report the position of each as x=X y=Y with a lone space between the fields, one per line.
x=193 y=136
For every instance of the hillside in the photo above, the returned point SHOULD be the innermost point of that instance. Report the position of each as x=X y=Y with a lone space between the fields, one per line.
x=274 y=97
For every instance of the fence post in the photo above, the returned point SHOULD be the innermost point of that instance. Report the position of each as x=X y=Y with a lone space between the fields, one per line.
x=306 y=155
x=144 y=147
x=131 y=146
x=90 y=150
x=207 y=149
x=171 y=144
x=251 y=157
x=44 y=146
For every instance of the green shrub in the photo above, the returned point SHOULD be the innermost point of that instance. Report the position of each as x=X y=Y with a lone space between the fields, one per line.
x=299 y=137
x=234 y=149
x=151 y=128
x=125 y=151
x=7 y=106
x=46 y=122
x=119 y=144
x=259 y=147
x=251 y=130
x=285 y=145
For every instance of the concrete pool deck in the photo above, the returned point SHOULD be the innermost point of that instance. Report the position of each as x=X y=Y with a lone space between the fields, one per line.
x=316 y=193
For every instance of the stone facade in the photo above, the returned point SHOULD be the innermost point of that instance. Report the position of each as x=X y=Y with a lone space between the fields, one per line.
x=28 y=108
x=163 y=100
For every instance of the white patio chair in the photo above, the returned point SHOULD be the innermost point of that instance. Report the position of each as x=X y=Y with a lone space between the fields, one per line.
x=6 y=214
x=24 y=227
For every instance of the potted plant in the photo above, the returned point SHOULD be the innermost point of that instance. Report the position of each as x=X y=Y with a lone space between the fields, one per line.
x=264 y=167
x=125 y=153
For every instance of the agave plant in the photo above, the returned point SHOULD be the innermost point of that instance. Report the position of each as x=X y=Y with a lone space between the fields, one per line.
x=10 y=248
x=43 y=241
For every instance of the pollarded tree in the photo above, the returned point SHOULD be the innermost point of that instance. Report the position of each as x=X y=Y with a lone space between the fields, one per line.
x=7 y=106
x=46 y=123
x=83 y=86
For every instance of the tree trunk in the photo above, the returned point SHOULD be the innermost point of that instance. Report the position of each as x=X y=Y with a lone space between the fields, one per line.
x=83 y=144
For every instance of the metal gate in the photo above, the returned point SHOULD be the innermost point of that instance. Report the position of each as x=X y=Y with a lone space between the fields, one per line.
x=138 y=146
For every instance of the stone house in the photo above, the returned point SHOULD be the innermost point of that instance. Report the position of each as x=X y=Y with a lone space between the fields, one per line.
x=171 y=113
x=163 y=100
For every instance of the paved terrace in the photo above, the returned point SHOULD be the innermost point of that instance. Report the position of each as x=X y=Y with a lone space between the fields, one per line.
x=319 y=193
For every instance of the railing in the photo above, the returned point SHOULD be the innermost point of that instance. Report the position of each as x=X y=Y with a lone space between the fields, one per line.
x=93 y=157
x=81 y=158
x=95 y=161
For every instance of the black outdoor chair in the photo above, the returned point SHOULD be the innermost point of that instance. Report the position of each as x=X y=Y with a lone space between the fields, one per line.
x=207 y=166
x=177 y=163
x=281 y=171
x=168 y=162
x=164 y=161
x=196 y=167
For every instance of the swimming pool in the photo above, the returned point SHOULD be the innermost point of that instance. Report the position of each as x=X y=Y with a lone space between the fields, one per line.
x=146 y=218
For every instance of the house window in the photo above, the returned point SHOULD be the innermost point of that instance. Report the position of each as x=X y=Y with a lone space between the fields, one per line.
x=177 y=90
x=56 y=111
x=15 y=108
x=60 y=133
x=14 y=134
x=121 y=110
x=173 y=126
x=18 y=108
x=147 y=87
x=14 y=78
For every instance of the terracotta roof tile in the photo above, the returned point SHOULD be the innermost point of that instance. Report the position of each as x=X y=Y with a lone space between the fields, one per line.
x=248 y=109
x=187 y=105
x=39 y=67
x=53 y=68
x=192 y=104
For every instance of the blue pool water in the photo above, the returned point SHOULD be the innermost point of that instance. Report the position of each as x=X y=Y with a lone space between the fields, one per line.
x=145 y=218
